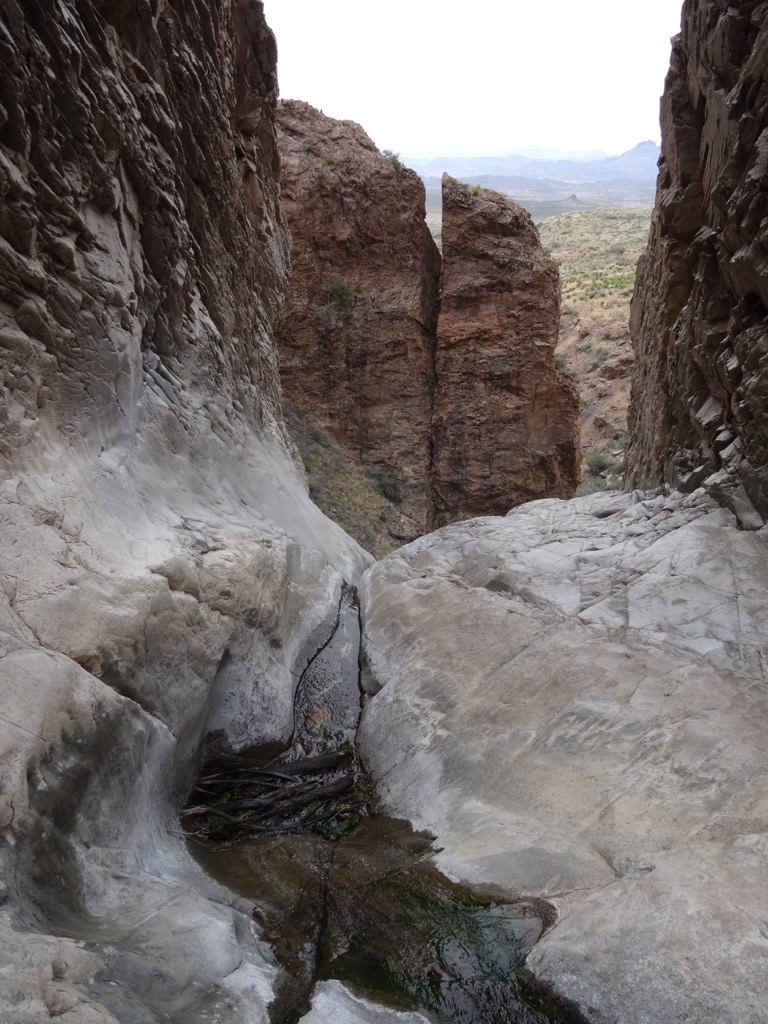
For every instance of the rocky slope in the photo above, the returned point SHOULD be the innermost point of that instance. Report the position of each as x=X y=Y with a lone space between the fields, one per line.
x=164 y=576
x=700 y=310
x=572 y=698
x=506 y=425
x=356 y=337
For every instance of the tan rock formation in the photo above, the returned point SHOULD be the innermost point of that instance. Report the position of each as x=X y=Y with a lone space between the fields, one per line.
x=506 y=423
x=700 y=309
x=356 y=336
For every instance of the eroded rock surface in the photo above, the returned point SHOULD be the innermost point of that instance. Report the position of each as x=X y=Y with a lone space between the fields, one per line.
x=356 y=337
x=165 y=578
x=700 y=309
x=334 y=1004
x=572 y=699
x=506 y=426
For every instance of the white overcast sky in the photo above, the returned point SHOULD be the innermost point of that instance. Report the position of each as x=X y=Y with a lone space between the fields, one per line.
x=480 y=76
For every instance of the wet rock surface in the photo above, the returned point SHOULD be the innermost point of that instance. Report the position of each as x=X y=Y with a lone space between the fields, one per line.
x=506 y=424
x=372 y=912
x=700 y=310
x=345 y=895
x=572 y=699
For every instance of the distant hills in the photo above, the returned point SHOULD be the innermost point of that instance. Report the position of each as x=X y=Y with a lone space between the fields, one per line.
x=551 y=184
x=638 y=164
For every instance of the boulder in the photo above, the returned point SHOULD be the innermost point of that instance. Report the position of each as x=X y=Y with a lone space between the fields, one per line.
x=572 y=700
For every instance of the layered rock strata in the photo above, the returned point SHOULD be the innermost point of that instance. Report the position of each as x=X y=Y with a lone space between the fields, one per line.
x=165 y=578
x=700 y=308
x=572 y=698
x=507 y=425
x=356 y=337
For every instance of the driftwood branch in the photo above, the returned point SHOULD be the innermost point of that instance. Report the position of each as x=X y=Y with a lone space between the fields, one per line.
x=281 y=797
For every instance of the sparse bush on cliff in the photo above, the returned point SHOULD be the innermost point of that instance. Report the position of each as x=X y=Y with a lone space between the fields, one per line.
x=390 y=488
x=601 y=354
x=395 y=160
x=477 y=191
x=339 y=295
x=329 y=161
x=598 y=462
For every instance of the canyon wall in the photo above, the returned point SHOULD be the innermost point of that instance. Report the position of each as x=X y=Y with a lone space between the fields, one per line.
x=356 y=337
x=507 y=425
x=165 y=578
x=442 y=380
x=700 y=308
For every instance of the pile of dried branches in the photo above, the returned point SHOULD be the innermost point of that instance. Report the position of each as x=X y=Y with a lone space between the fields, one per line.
x=322 y=793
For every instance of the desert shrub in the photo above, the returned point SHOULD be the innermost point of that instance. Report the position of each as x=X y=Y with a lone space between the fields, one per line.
x=395 y=160
x=339 y=294
x=389 y=487
x=592 y=486
x=477 y=190
x=329 y=161
x=598 y=461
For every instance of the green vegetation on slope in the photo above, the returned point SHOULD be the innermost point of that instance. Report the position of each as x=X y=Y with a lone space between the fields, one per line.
x=597 y=252
x=361 y=504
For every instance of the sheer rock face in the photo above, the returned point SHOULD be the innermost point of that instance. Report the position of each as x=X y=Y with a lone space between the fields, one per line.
x=356 y=336
x=475 y=426
x=506 y=425
x=164 y=578
x=700 y=309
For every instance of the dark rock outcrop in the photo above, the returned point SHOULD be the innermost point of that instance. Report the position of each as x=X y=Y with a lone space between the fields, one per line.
x=506 y=425
x=700 y=308
x=356 y=337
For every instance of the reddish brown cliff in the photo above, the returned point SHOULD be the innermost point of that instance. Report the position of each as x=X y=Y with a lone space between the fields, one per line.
x=356 y=335
x=700 y=309
x=506 y=425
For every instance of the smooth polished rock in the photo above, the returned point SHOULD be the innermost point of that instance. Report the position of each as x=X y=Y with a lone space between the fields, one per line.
x=332 y=1003
x=572 y=699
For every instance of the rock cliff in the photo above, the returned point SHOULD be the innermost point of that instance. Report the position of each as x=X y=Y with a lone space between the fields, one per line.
x=164 y=576
x=700 y=308
x=454 y=403
x=356 y=337
x=506 y=425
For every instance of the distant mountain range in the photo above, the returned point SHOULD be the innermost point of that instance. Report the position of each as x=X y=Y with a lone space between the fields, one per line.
x=636 y=165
